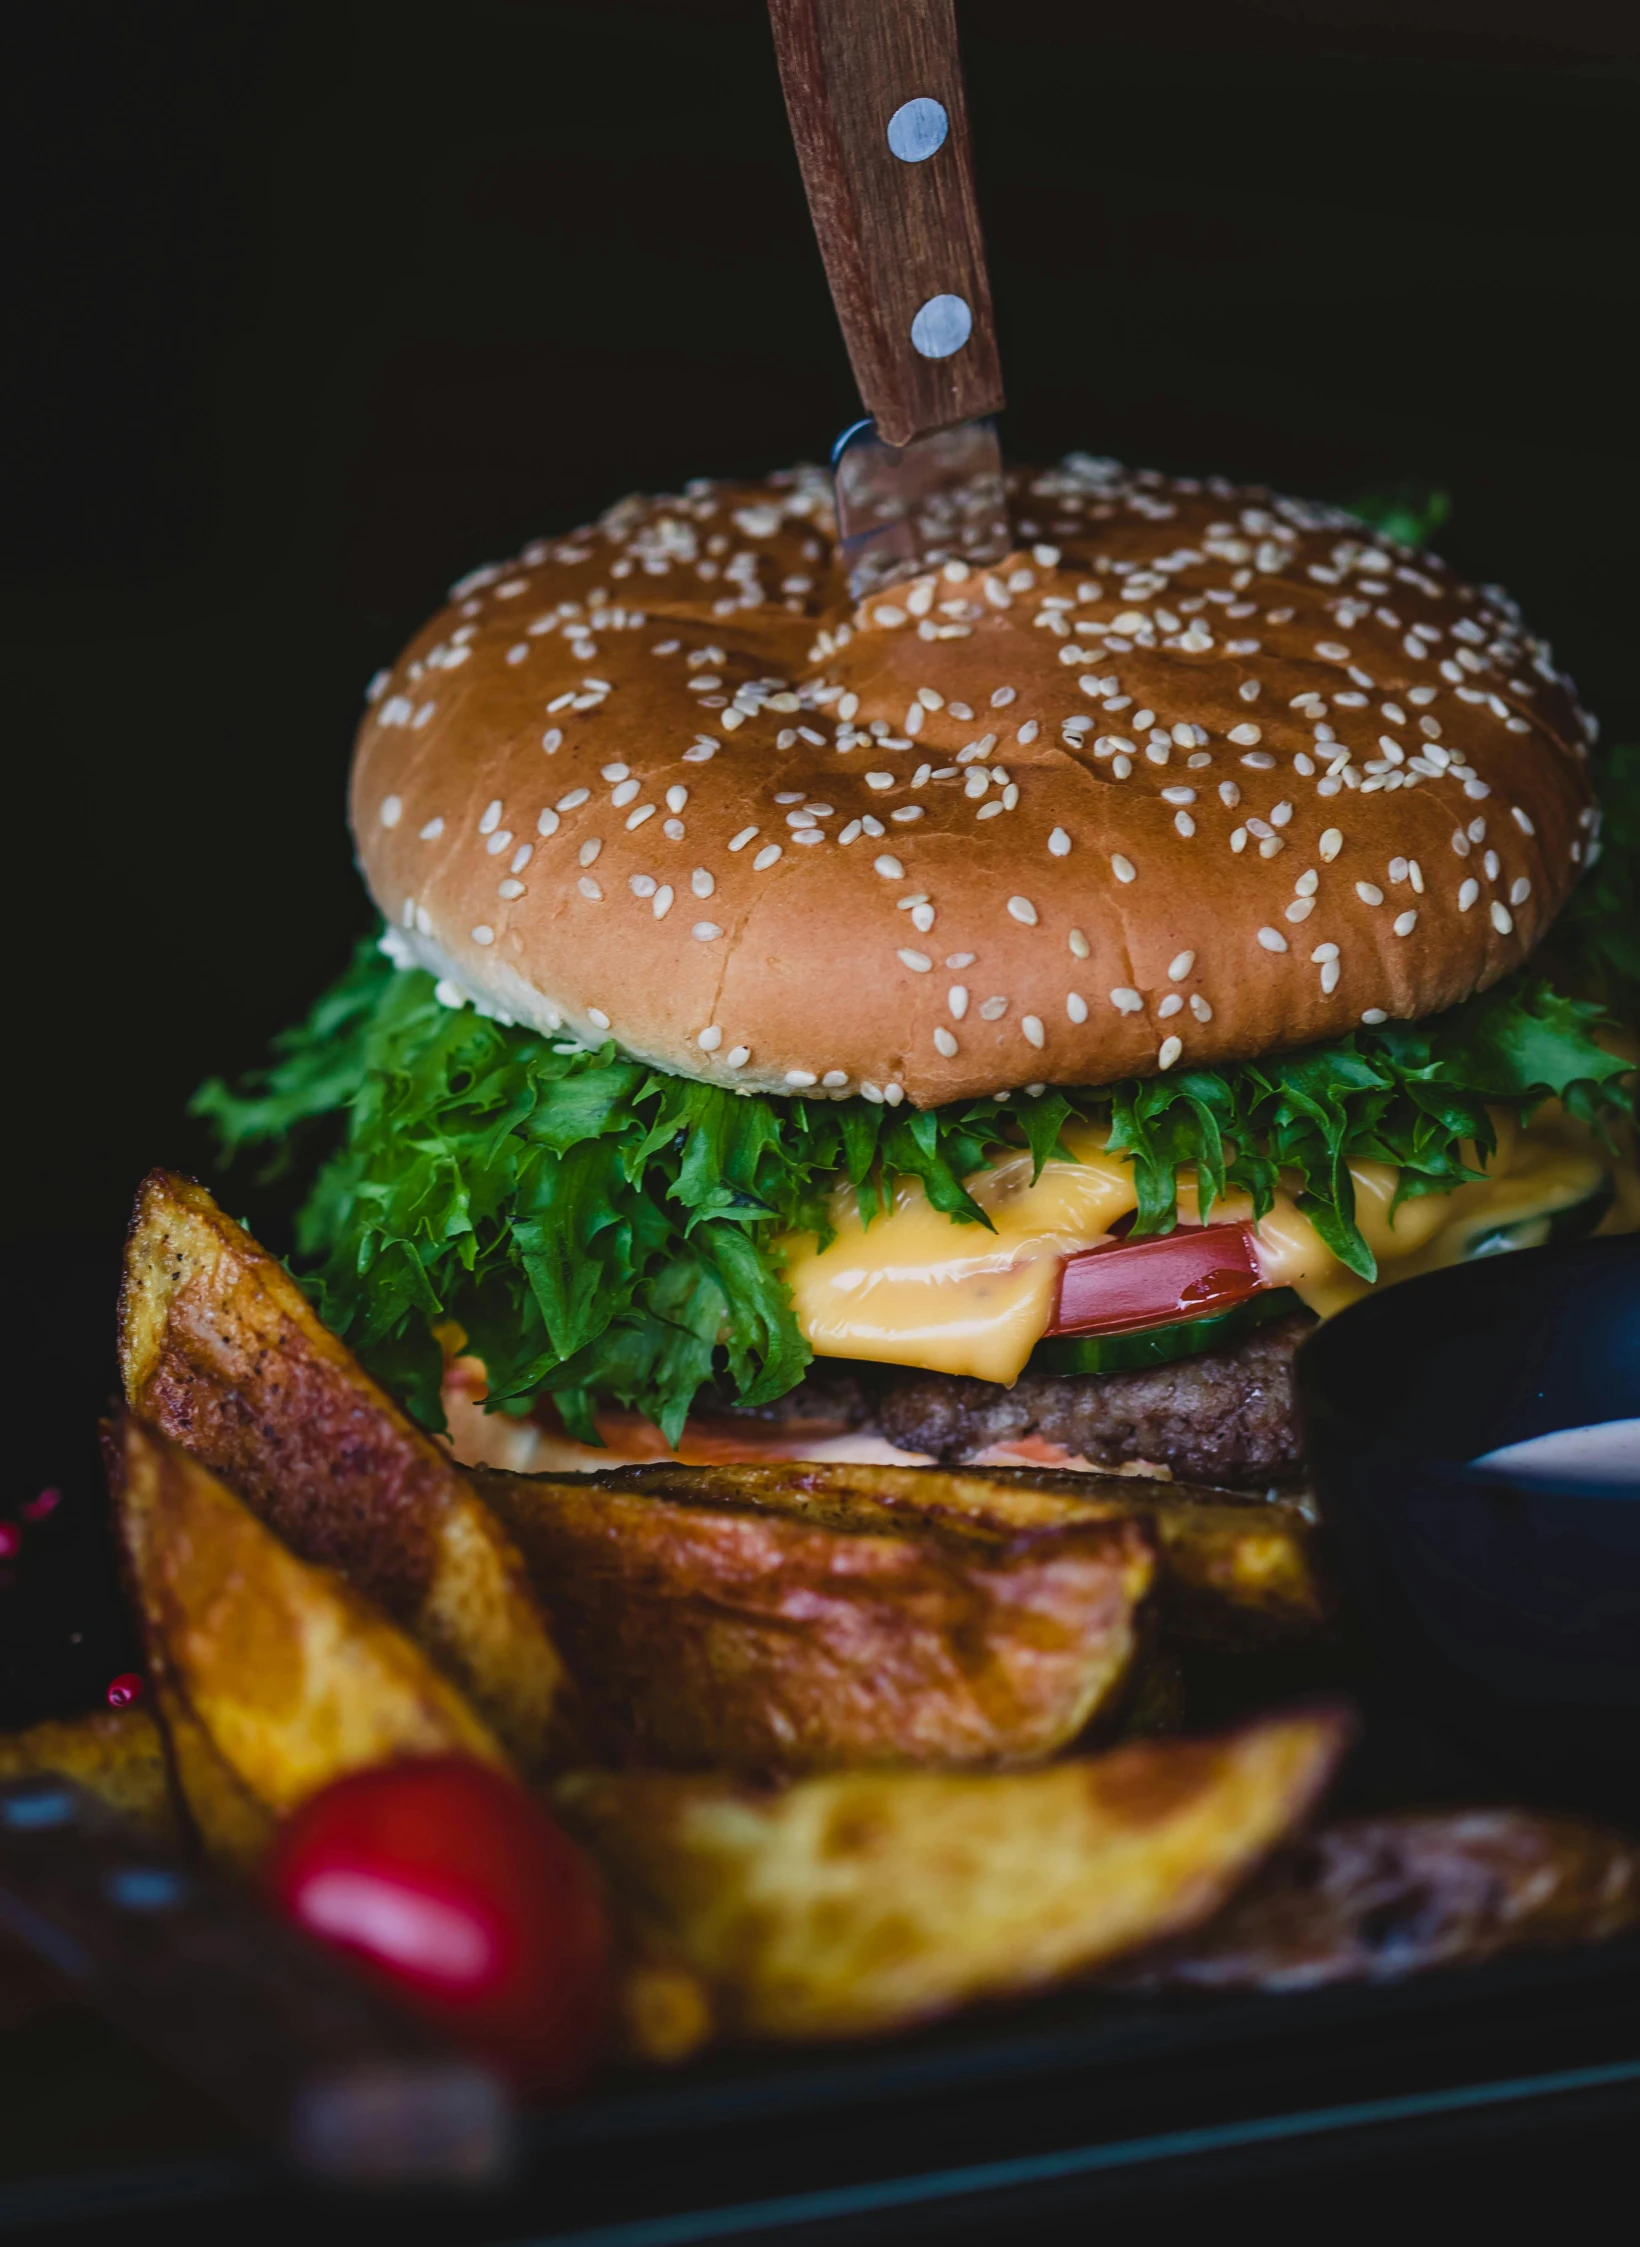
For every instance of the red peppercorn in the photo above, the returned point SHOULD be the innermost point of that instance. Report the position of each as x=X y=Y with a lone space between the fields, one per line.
x=458 y=1888
x=124 y=1689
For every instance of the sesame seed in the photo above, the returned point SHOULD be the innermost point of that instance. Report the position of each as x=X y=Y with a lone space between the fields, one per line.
x=1184 y=823
x=1369 y=893
x=662 y=903
x=1126 y=1000
x=1405 y=923
x=1059 y=843
x=1032 y=1030
x=1022 y=909
x=491 y=817
x=597 y=1015
x=1123 y=868
x=552 y=740
x=739 y=842
x=641 y=885
x=835 y=1079
x=919 y=962
x=706 y=932
x=1171 y=1005
x=1229 y=794
x=1373 y=1015
x=1468 y=893
x=701 y=882
x=1180 y=966
x=801 y=1078
x=676 y=797
x=944 y=1042
x=737 y=1057
x=1502 y=919
x=1200 y=1008
x=1519 y=890
x=392 y=810
x=894 y=1094
x=573 y=801
x=1079 y=944
x=432 y=831
x=1171 y=1050
x=547 y=823
x=1516 y=814
x=768 y=856
x=1331 y=843
x=483 y=935
x=589 y=850
x=1272 y=940
x=589 y=889
x=992 y=1010
x=879 y=780
x=498 y=842
x=1300 y=909
x=1076 y=1006
x=890 y=868
x=1245 y=736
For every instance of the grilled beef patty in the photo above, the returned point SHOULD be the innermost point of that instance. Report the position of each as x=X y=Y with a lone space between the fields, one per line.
x=1227 y=1417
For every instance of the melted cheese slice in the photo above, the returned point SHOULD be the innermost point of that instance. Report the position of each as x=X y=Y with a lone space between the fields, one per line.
x=915 y=1288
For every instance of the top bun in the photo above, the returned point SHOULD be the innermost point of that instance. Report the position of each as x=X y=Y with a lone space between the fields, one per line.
x=1196 y=773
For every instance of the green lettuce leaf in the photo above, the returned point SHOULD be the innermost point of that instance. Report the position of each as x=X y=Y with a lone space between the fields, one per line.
x=604 y=1232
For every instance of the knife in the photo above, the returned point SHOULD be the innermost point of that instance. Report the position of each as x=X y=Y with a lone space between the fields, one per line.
x=874 y=93
x=348 y=2087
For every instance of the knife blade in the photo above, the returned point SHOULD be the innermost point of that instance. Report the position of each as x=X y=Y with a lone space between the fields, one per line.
x=875 y=98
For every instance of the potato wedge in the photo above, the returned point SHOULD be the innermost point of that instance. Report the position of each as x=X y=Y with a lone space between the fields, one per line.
x=1375 y=1899
x=273 y=1676
x=221 y=1351
x=869 y=1900
x=702 y=1629
x=116 y=1754
x=1231 y=1569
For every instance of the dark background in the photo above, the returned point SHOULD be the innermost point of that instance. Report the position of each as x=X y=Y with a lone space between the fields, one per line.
x=311 y=308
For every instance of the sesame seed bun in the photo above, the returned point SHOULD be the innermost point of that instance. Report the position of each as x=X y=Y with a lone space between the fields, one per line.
x=1195 y=774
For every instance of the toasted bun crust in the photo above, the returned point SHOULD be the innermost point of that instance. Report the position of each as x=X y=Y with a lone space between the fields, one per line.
x=1197 y=773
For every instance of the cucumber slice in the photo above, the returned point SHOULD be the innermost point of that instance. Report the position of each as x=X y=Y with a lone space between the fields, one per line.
x=1159 y=1345
x=1568 y=1224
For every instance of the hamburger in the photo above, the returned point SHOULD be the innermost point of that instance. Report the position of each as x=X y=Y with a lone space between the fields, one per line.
x=989 y=1021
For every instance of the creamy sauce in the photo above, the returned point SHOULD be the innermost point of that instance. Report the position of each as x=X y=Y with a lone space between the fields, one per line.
x=1608 y=1451
x=915 y=1288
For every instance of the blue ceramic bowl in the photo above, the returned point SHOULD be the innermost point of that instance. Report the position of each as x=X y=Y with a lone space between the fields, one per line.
x=1501 y=1610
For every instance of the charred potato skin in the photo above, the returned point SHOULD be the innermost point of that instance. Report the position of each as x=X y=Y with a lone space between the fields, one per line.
x=705 y=1627
x=1232 y=1571
x=864 y=1901
x=221 y=1351
x=271 y=1676
x=1376 y=1899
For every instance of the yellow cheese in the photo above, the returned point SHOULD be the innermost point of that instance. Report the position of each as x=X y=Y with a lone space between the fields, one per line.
x=915 y=1288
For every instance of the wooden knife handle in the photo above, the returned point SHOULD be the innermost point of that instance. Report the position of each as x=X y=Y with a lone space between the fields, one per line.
x=899 y=232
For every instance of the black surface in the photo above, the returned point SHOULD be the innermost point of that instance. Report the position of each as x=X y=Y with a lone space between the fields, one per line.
x=313 y=306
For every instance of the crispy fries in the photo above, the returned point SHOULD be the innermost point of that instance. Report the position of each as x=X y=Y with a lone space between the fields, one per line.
x=222 y=1352
x=272 y=1676
x=704 y=1627
x=1230 y=1569
x=866 y=1901
x=116 y=1754
x=1375 y=1899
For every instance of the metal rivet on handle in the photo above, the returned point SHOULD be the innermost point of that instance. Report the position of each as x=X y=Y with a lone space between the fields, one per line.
x=917 y=128
x=942 y=326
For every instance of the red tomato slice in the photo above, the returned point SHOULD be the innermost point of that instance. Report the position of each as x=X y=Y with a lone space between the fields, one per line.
x=1127 y=1284
x=451 y=1884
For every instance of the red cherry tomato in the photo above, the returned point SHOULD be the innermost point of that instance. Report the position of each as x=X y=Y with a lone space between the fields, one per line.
x=452 y=1884
x=1129 y=1284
